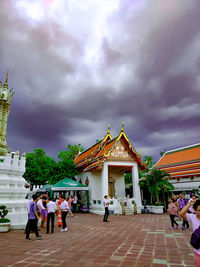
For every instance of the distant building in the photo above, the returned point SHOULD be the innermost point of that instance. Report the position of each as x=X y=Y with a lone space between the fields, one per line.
x=102 y=167
x=183 y=164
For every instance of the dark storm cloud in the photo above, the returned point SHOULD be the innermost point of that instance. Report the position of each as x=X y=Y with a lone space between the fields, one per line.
x=146 y=71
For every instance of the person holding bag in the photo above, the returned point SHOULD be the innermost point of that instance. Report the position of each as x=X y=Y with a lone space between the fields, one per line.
x=194 y=219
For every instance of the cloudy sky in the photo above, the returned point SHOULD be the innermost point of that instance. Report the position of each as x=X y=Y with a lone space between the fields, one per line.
x=76 y=65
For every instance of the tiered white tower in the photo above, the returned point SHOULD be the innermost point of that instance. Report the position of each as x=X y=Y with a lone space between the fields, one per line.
x=12 y=167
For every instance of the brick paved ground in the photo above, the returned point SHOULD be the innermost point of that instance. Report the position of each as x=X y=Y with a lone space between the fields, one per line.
x=137 y=240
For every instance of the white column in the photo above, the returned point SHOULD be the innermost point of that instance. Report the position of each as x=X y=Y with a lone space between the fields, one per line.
x=22 y=163
x=15 y=164
x=7 y=159
x=136 y=188
x=104 y=181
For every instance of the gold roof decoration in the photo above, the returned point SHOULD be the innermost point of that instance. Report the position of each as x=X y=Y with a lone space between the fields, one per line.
x=6 y=82
x=122 y=129
x=108 y=132
x=101 y=151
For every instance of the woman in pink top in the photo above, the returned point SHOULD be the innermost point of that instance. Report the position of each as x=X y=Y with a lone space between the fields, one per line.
x=173 y=212
x=194 y=219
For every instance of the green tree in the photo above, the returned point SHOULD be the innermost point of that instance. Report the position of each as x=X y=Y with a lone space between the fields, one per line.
x=39 y=167
x=162 y=153
x=65 y=166
x=156 y=182
x=149 y=161
x=128 y=178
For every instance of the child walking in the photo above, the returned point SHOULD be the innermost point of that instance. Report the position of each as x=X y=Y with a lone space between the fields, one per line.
x=173 y=212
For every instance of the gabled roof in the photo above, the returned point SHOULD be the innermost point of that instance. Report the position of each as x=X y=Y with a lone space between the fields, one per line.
x=93 y=158
x=180 y=155
x=181 y=162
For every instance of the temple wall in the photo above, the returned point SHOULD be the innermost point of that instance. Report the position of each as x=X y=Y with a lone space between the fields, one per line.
x=94 y=183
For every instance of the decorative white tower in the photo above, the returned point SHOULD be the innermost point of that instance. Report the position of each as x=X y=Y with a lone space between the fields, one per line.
x=12 y=167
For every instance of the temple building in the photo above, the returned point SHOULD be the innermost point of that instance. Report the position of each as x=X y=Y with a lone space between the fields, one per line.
x=102 y=167
x=183 y=164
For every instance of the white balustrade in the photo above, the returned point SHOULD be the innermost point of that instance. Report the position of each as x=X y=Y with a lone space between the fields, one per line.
x=12 y=189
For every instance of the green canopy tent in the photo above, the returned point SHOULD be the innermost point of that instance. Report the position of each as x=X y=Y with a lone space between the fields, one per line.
x=45 y=188
x=70 y=185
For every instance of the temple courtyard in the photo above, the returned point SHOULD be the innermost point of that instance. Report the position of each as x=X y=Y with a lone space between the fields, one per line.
x=135 y=240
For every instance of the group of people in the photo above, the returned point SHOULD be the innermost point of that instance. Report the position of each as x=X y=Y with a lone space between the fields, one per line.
x=45 y=208
x=190 y=212
x=175 y=206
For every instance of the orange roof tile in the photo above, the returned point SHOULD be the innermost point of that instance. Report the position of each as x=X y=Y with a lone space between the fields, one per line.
x=186 y=173
x=87 y=153
x=185 y=154
x=95 y=165
x=106 y=148
x=182 y=167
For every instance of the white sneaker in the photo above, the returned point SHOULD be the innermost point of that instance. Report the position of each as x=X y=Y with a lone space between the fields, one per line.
x=65 y=230
x=62 y=230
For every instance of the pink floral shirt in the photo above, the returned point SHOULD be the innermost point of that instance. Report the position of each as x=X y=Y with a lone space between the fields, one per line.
x=172 y=209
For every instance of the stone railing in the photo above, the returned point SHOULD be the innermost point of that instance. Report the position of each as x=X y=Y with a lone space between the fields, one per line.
x=12 y=188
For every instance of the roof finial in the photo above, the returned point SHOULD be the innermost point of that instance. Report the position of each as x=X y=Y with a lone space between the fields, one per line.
x=108 y=132
x=6 y=82
x=122 y=129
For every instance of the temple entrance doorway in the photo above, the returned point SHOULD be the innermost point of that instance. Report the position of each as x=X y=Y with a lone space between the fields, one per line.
x=111 y=187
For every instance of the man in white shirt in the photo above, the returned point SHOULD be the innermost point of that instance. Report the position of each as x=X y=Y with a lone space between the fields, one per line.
x=51 y=209
x=106 y=205
x=64 y=207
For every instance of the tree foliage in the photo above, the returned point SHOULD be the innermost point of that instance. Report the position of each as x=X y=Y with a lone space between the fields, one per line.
x=155 y=180
x=128 y=178
x=39 y=167
x=162 y=153
x=149 y=161
x=42 y=169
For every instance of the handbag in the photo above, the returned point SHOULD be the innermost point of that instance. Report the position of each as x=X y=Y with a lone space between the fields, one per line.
x=195 y=239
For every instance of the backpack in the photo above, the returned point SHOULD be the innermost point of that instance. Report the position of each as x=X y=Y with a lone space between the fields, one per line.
x=195 y=239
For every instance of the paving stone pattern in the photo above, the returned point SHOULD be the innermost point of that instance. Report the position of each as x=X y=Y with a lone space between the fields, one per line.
x=137 y=240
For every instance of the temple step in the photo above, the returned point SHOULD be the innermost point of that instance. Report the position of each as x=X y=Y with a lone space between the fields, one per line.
x=128 y=211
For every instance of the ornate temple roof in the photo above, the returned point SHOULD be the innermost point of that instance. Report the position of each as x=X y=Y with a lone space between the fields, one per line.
x=118 y=148
x=181 y=162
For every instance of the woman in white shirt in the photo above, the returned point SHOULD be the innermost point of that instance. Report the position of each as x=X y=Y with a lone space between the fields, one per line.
x=64 y=207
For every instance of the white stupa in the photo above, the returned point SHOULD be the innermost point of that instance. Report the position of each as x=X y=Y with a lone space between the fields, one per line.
x=12 y=168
